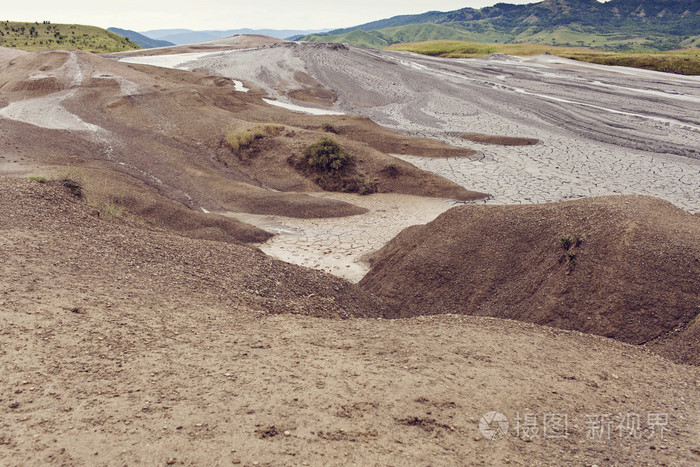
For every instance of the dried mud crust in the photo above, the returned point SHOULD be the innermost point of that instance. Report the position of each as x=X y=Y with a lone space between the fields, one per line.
x=122 y=345
x=339 y=245
x=623 y=267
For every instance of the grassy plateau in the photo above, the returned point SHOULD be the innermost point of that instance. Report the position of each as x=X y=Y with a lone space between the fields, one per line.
x=685 y=61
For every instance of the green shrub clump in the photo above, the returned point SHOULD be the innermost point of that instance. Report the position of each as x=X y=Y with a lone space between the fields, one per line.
x=327 y=155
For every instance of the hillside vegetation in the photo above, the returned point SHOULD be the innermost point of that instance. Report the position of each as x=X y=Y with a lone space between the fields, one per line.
x=139 y=39
x=685 y=62
x=39 y=36
x=618 y=25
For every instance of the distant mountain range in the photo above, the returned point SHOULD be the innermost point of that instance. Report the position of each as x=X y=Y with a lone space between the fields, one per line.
x=140 y=39
x=615 y=25
x=188 y=36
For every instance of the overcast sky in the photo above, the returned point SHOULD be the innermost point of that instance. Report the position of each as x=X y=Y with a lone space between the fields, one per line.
x=142 y=15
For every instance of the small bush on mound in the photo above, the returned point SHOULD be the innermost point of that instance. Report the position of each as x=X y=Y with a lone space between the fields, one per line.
x=391 y=170
x=333 y=169
x=567 y=243
x=72 y=178
x=327 y=155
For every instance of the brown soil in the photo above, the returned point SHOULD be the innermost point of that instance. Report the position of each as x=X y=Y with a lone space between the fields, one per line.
x=122 y=345
x=72 y=244
x=160 y=153
x=499 y=140
x=632 y=277
x=390 y=142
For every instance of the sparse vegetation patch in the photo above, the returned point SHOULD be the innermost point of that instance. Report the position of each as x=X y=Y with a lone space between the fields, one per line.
x=332 y=168
x=242 y=139
x=111 y=210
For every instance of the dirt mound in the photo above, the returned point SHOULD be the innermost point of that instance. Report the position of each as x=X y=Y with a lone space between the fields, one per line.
x=623 y=267
x=499 y=140
x=34 y=74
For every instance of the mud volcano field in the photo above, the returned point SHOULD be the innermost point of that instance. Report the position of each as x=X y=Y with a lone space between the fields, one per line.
x=180 y=285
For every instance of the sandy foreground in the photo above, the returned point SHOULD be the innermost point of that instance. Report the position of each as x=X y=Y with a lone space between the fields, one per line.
x=124 y=346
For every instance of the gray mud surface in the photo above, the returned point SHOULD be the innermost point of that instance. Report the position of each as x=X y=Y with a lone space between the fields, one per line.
x=603 y=130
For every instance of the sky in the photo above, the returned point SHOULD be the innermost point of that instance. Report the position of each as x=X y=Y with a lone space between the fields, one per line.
x=223 y=15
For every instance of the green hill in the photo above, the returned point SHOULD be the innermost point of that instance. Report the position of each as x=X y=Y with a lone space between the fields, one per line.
x=618 y=25
x=139 y=39
x=38 y=36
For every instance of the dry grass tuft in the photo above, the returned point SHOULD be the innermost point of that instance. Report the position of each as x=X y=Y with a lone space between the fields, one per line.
x=241 y=139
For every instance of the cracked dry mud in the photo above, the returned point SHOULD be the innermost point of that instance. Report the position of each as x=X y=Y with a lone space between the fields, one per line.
x=338 y=245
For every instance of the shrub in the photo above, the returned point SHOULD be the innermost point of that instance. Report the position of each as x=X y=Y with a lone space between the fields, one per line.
x=71 y=178
x=38 y=178
x=326 y=155
x=331 y=168
x=565 y=242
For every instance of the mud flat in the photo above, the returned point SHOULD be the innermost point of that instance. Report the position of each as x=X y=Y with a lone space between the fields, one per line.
x=339 y=245
x=602 y=130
